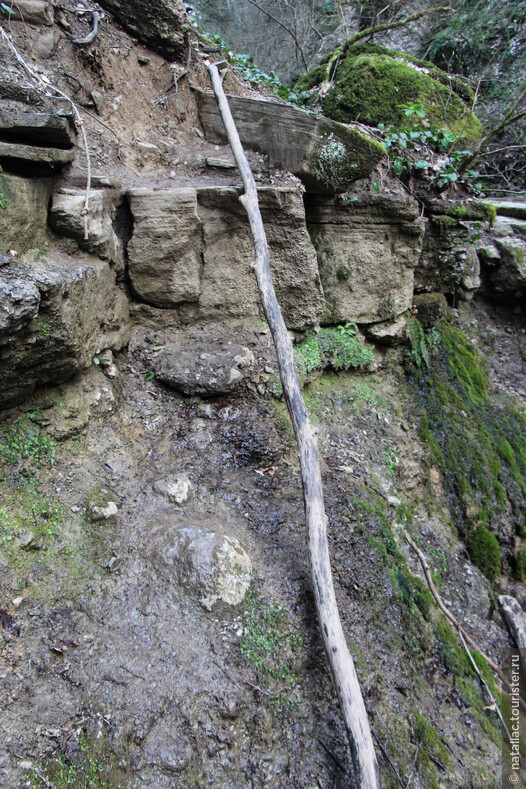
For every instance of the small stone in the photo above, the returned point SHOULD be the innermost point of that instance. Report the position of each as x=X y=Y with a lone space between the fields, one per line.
x=147 y=147
x=143 y=60
x=45 y=45
x=26 y=765
x=98 y=100
x=177 y=489
x=17 y=602
x=29 y=541
x=106 y=511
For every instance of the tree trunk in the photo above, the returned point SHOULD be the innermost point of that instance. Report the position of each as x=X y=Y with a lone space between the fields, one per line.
x=353 y=709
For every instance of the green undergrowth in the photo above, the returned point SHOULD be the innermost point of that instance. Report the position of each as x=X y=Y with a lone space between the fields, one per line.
x=272 y=645
x=336 y=348
x=93 y=766
x=478 y=444
x=25 y=446
x=334 y=396
x=48 y=549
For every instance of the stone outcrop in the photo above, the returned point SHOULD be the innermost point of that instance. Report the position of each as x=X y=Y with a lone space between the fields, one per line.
x=43 y=140
x=17 y=123
x=159 y=24
x=449 y=260
x=367 y=252
x=503 y=252
x=55 y=310
x=515 y=619
x=164 y=254
x=67 y=219
x=228 y=282
x=192 y=249
x=293 y=139
x=23 y=224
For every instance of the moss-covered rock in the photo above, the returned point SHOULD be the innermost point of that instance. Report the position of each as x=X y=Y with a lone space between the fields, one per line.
x=485 y=552
x=370 y=82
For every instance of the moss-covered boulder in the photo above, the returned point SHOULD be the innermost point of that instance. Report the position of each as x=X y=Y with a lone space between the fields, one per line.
x=370 y=82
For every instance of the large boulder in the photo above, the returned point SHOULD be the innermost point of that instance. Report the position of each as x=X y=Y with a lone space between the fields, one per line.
x=370 y=84
x=162 y=25
x=367 y=252
x=205 y=367
x=55 y=310
x=204 y=561
x=325 y=155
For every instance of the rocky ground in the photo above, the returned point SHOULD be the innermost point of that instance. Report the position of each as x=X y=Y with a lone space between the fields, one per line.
x=102 y=636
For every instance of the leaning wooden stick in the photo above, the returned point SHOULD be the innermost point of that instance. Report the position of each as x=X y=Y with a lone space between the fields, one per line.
x=353 y=708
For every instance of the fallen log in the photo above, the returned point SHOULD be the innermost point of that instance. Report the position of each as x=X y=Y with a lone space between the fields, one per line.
x=347 y=685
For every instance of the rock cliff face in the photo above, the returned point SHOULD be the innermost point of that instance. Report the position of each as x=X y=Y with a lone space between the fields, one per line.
x=148 y=475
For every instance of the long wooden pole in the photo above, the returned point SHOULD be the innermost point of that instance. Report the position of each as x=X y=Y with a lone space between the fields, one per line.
x=347 y=685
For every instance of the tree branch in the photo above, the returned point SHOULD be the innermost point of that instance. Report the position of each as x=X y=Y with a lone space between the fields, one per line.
x=291 y=32
x=348 y=688
x=391 y=25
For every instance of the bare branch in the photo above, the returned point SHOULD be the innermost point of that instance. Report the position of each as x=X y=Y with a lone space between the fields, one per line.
x=291 y=32
x=391 y=25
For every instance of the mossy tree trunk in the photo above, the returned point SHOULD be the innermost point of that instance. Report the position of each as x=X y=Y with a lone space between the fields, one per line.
x=348 y=688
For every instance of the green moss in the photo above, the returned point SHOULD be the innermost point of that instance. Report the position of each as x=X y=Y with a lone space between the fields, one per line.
x=452 y=656
x=371 y=82
x=312 y=78
x=520 y=565
x=485 y=552
x=338 y=348
x=491 y=213
x=424 y=732
x=422 y=597
x=480 y=447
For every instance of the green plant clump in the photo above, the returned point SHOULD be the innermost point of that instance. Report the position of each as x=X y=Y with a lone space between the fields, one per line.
x=270 y=644
x=430 y=152
x=25 y=444
x=336 y=347
x=94 y=768
x=485 y=552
